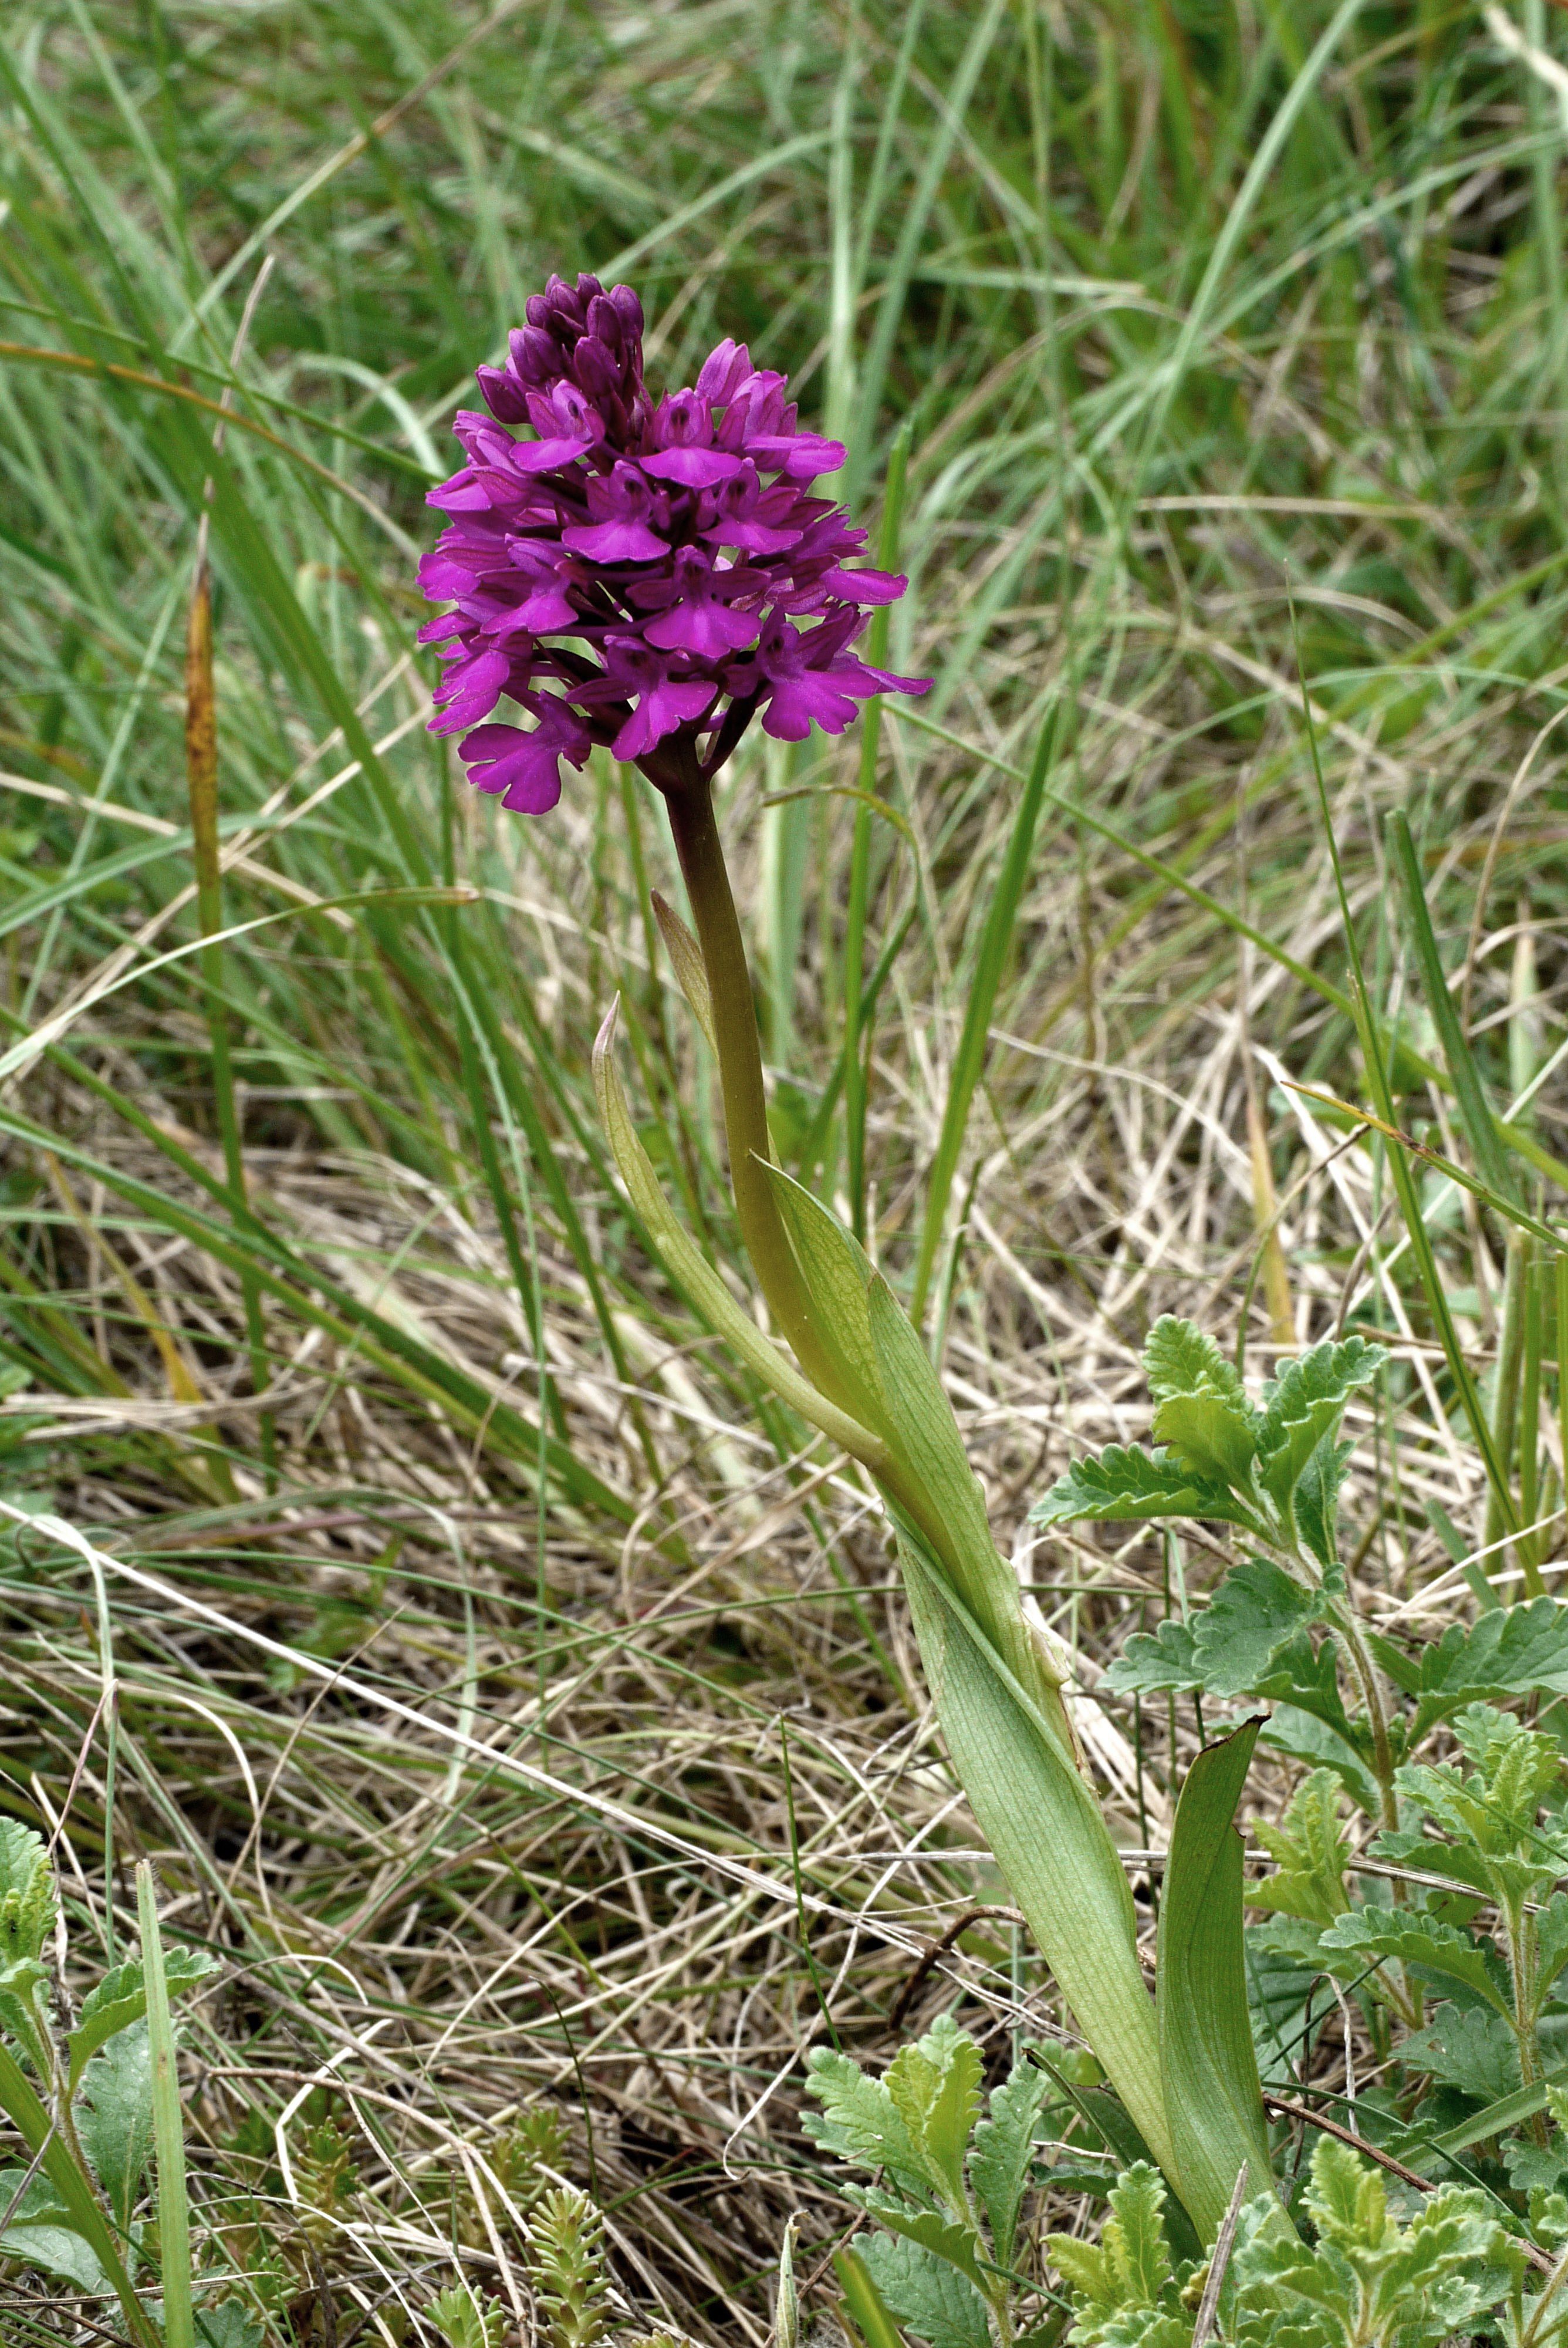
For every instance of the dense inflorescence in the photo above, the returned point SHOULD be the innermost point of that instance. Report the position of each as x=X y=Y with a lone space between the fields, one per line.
x=641 y=574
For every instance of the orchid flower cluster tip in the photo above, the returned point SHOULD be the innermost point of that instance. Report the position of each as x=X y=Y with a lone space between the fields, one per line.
x=647 y=574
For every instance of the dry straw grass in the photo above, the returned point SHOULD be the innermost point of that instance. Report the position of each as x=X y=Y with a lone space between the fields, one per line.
x=616 y=1805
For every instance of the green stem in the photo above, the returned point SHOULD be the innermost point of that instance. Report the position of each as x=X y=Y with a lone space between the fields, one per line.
x=1549 y=2290
x=688 y=794
x=1522 y=1971
x=689 y=798
x=1505 y=1402
x=1366 y=1670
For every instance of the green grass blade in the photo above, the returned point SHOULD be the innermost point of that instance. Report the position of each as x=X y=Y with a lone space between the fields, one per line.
x=167 y=2125
x=1481 y=1122
x=996 y=938
x=856 y=1052
x=1419 y=1239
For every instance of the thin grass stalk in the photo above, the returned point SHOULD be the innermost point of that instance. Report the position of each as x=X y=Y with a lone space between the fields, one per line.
x=1419 y=1237
x=167 y=2125
x=1530 y=1549
x=201 y=783
x=1171 y=875
x=935 y=151
x=1505 y=1406
x=1545 y=163
x=1481 y=1123
x=1560 y=1348
x=969 y=1060
x=857 y=1037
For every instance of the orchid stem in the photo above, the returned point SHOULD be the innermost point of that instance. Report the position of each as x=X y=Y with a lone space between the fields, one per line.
x=689 y=800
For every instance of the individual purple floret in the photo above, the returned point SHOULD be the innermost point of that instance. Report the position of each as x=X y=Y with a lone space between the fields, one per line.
x=639 y=574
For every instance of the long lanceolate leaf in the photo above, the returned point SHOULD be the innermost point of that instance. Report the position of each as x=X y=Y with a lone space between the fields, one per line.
x=1040 y=1818
x=1207 y=2065
x=998 y=1697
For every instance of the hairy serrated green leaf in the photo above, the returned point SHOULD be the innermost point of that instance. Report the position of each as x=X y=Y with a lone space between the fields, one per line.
x=1307 y=1678
x=1305 y=1405
x=1472 y=2049
x=858 y=2119
x=1551 y=1941
x=1124 y=2287
x=113 y=2118
x=56 y=2249
x=22 y=1853
x=1084 y=2267
x=227 y=2325
x=1126 y=1484
x=1147 y=2327
x=935 y=2087
x=925 y=2294
x=119 y=1999
x=1209 y=1437
x=1410 y=1937
x=1310 y=1851
x=1179 y=1359
x=1506 y=1650
x=1368 y=2279
x=1135 y=2238
x=26 y=1893
x=1003 y=2147
x=945 y=2238
x=1154 y=1661
x=1256 y=1610
x=1307 y=1737
x=1493 y=1804
x=1317 y=1503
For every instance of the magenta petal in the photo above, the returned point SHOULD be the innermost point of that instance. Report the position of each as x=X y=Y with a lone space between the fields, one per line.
x=801 y=701
x=523 y=769
x=703 y=626
x=545 y=608
x=883 y=681
x=724 y=372
x=865 y=586
x=515 y=623
x=461 y=494
x=659 y=713
x=615 y=542
x=801 y=456
x=546 y=456
x=535 y=791
x=752 y=537
x=693 y=469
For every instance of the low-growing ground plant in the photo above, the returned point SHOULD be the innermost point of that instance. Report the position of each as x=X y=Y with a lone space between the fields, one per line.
x=950 y=2258
x=1417 y=1863
x=93 y=2103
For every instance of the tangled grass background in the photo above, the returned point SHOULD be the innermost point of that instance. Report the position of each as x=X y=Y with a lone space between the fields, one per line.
x=1198 y=408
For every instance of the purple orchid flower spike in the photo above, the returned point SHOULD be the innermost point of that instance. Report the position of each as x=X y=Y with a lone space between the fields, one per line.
x=660 y=567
